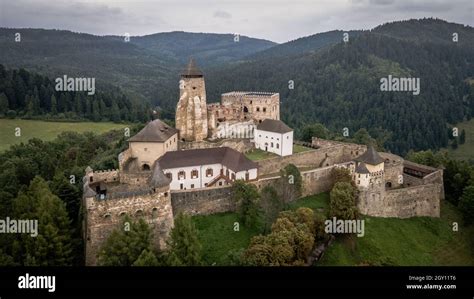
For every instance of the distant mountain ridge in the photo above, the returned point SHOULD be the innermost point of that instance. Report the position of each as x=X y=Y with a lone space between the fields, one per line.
x=335 y=83
x=207 y=48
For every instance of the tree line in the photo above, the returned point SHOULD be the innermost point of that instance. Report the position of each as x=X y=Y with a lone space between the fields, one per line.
x=30 y=95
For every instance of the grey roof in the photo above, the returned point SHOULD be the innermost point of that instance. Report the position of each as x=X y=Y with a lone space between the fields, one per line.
x=273 y=125
x=361 y=168
x=88 y=169
x=191 y=70
x=226 y=156
x=370 y=157
x=154 y=131
x=158 y=178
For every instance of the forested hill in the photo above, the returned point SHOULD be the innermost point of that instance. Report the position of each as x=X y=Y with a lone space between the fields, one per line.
x=303 y=45
x=145 y=66
x=207 y=48
x=340 y=85
x=31 y=95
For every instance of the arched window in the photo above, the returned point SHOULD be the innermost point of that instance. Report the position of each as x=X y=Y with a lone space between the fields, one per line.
x=194 y=174
x=139 y=213
x=209 y=172
x=122 y=214
x=246 y=110
x=181 y=175
x=154 y=212
x=107 y=216
x=146 y=167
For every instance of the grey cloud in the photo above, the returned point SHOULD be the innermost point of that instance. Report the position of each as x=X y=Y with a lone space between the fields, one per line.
x=222 y=14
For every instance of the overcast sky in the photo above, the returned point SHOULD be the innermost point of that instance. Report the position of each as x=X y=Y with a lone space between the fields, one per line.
x=276 y=20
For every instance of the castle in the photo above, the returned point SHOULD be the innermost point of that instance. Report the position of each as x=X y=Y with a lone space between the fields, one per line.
x=196 y=120
x=157 y=179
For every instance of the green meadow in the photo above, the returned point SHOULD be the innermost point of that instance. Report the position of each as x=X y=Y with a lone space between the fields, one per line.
x=46 y=130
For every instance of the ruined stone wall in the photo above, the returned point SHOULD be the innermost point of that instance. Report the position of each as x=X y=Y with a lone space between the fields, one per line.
x=202 y=202
x=191 y=110
x=135 y=178
x=241 y=145
x=253 y=105
x=312 y=158
x=103 y=216
x=436 y=178
x=110 y=175
x=407 y=202
x=314 y=181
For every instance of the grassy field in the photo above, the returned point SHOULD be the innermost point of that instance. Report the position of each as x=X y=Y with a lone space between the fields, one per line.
x=299 y=148
x=419 y=241
x=387 y=241
x=464 y=151
x=258 y=154
x=46 y=130
x=217 y=235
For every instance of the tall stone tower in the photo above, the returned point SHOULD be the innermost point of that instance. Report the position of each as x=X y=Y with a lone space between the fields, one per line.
x=191 y=111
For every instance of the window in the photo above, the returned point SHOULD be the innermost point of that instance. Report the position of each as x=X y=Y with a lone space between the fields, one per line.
x=169 y=175
x=154 y=212
x=181 y=175
x=209 y=172
x=264 y=109
x=194 y=174
x=166 y=194
x=139 y=213
x=146 y=167
x=227 y=173
x=278 y=145
x=220 y=183
x=107 y=216
x=258 y=109
x=247 y=176
x=181 y=186
x=192 y=186
x=271 y=144
x=122 y=214
x=91 y=179
x=146 y=149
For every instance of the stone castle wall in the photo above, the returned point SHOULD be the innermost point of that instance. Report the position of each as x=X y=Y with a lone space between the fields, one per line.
x=191 y=110
x=110 y=175
x=241 y=145
x=103 y=216
x=322 y=157
x=202 y=202
x=422 y=200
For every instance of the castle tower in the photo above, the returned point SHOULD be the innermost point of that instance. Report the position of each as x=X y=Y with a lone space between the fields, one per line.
x=191 y=111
